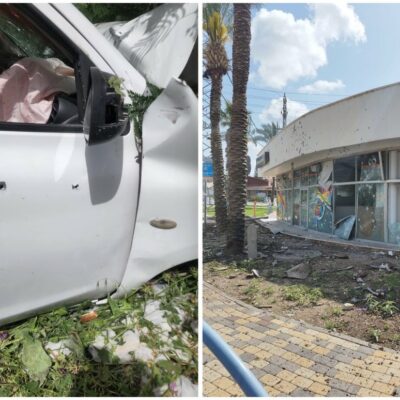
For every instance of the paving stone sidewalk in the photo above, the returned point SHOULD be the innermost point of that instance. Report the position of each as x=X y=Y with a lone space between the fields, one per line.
x=292 y=358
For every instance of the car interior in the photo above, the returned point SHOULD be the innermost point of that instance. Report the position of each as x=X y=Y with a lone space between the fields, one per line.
x=21 y=38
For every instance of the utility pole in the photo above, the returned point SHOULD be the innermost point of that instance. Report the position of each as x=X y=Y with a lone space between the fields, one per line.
x=284 y=111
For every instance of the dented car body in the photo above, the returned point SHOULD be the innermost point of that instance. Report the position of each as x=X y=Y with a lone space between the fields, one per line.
x=86 y=210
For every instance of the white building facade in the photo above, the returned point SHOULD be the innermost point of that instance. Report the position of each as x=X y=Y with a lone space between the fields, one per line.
x=337 y=168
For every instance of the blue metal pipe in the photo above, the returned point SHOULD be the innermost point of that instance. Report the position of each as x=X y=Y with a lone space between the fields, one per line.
x=234 y=365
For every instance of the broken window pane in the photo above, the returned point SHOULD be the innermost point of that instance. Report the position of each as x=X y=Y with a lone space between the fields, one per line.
x=320 y=209
x=369 y=167
x=279 y=182
x=345 y=200
x=297 y=178
x=394 y=213
x=325 y=175
x=344 y=169
x=392 y=165
x=296 y=207
x=370 y=211
x=288 y=210
x=304 y=208
x=280 y=204
x=287 y=181
x=314 y=173
x=304 y=177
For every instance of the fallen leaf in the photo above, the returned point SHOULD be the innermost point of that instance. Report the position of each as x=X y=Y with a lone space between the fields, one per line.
x=34 y=358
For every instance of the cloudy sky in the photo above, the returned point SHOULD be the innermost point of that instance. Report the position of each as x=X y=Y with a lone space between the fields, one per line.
x=317 y=54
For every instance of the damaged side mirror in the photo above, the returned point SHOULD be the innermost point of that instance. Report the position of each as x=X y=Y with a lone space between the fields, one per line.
x=104 y=114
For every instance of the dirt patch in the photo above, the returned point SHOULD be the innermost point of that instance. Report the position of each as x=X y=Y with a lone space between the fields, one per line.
x=348 y=289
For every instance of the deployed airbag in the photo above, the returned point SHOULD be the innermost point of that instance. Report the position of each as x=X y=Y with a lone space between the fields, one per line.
x=28 y=88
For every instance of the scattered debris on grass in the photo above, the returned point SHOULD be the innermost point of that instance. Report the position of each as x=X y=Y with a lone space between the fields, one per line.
x=142 y=345
x=361 y=284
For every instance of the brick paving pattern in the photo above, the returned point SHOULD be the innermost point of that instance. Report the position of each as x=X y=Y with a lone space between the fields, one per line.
x=292 y=358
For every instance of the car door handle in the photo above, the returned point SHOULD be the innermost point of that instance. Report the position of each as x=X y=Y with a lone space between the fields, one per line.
x=3 y=186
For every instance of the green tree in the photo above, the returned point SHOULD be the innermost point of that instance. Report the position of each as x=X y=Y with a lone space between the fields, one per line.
x=237 y=146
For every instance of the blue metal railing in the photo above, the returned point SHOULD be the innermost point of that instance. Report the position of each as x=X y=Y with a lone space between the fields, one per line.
x=234 y=365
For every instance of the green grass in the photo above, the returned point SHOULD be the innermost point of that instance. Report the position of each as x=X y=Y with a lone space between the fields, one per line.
x=261 y=211
x=302 y=295
x=78 y=374
x=386 y=308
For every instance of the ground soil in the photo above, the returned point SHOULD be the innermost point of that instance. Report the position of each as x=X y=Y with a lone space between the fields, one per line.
x=342 y=273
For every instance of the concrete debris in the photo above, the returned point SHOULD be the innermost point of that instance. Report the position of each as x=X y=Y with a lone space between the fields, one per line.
x=300 y=271
x=382 y=267
x=348 y=306
x=275 y=262
x=182 y=387
x=58 y=348
x=297 y=255
x=390 y=253
x=274 y=229
x=377 y=292
x=159 y=288
x=105 y=348
x=340 y=256
x=255 y=273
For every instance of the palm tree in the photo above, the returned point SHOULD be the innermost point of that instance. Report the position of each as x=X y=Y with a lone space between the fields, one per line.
x=266 y=132
x=237 y=146
x=216 y=66
x=226 y=120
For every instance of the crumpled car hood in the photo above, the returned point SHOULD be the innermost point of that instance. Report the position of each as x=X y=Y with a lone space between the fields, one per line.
x=158 y=44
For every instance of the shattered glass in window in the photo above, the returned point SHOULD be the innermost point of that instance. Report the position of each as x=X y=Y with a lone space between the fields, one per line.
x=288 y=210
x=279 y=182
x=296 y=207
x=320 y=209
x=370 y=214
x=313 y=174
x=369 y=167
x=280 y=204
x=325 y=175
x=344 y=169
x=345 y=201
x=394 y=213
x=287 y=181
x=304 y=177
x=297 y=178
x=304 y=208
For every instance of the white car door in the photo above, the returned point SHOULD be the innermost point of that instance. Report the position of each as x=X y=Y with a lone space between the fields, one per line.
x=67 y=209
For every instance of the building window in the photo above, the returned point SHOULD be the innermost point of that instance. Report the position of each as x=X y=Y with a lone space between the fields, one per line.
x=296 y=207
x=369 y=167
x=370 y=212
x=320 y=209
x=345 y=202
x=346 y=197
x=394 y=213
x=344 y=169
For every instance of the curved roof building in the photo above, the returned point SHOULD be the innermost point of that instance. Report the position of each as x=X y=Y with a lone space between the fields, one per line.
x=337 y=168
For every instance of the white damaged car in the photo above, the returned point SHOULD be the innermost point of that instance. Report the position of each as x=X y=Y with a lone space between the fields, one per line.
x=86 y=208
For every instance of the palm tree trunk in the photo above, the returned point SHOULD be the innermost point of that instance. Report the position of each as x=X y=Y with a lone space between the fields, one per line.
x=216 y=152
x=237 y=151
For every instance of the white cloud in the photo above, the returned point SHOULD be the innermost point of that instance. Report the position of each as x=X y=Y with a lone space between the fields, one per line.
x=322 y=86
x=272 y=113
x=337 y=21
x=285 y=49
